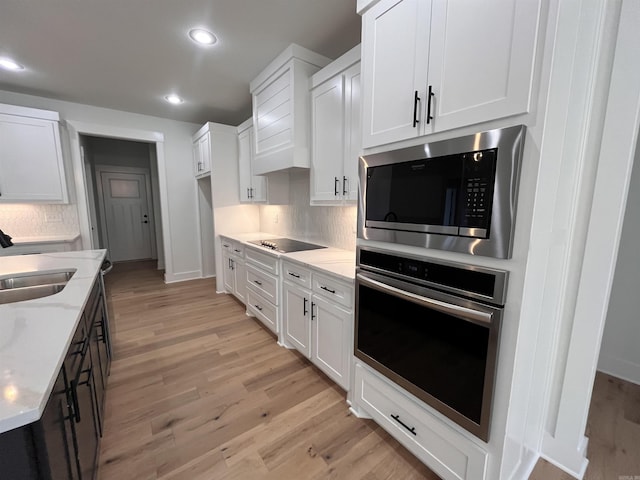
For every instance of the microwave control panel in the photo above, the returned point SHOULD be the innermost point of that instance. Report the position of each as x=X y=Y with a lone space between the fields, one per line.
x=477 y=192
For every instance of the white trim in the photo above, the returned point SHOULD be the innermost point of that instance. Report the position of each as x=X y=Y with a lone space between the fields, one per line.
x=182 y=276
x=82 y=128
x=617 y=153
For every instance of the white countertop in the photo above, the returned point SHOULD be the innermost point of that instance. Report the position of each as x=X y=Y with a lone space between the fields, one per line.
x=336 y=261
x=45 y=239
x=35 y=335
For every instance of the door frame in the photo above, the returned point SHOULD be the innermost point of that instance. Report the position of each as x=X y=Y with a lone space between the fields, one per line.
x=77 y=128
x=99 y=170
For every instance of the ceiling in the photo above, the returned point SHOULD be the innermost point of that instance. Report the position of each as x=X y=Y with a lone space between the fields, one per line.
x=129 y=54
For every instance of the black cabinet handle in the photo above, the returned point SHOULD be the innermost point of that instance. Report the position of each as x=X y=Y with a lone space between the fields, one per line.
x=258 y=307
x=431 y=95
x=304 y=307
x=257 y=282
x=74 y=401
x=236 y=250
x=344 y=185
x=416 y=100
x=313 y=317
x=233 y=264
x=294 y=275
x=327 y=289
x=248 y=193
x=225 y=245
x=410 y=429
x=335 y=186
x=251 y=194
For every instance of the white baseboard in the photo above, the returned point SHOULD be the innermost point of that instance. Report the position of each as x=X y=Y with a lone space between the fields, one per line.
x=619 y=368
x=182 y=276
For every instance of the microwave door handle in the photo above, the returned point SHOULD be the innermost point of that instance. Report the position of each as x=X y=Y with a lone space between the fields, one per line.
x=443 y=307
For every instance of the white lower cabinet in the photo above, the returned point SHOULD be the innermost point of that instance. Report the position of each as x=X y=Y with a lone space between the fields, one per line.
x=448 y=453
x=263 y=288
x=234 y=270
x=317 y=322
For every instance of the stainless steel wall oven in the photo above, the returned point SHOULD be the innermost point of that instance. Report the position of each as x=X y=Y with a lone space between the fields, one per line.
x=458 y=195
x=432 y=327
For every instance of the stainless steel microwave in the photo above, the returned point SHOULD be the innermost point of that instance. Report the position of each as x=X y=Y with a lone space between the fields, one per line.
x=458 y=195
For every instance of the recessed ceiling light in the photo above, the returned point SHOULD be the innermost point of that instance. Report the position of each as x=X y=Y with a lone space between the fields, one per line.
x=203 y=37
x=174 y=99
x=9 y=64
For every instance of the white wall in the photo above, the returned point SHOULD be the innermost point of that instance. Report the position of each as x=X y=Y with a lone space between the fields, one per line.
x=177 y=149
x=330 y=226
x=619 y=354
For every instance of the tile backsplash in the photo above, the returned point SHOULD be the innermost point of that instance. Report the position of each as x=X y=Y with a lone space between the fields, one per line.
x=331 y=226
x=30 y=220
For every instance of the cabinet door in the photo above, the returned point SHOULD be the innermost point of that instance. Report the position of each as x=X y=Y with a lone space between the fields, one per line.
x=244 y=165
x=296 y=318
x=57 y=453
x=330 y=351
x=353 y=133
x=202 y=155
x=327 y=137
x=481 y=59
x=240 y=280
x=229 y=277
x=86 y=425
x=395 y=46
x=31 y=164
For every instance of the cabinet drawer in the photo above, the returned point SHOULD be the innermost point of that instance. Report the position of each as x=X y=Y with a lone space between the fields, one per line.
x=265 y=311
x=237 y=249
x=296 y=274
x=445 y=451
x=226 y=244
x=263 y=260
x=335 y=290
x=263 y=283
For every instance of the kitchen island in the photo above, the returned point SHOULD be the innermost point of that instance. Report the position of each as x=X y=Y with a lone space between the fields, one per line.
x=35 y=335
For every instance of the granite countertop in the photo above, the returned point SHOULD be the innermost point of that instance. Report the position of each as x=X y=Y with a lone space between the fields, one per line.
x=35 y=335
x=335 y=261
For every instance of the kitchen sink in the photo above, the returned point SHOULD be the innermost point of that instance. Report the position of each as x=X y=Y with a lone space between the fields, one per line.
x=23 y=287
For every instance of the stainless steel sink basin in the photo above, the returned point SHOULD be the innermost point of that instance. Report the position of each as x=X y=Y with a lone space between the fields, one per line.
x=34 y=279
x=30 y=286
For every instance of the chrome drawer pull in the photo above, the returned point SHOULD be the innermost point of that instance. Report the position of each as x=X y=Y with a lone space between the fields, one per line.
x=327 y=289
x=397 y=419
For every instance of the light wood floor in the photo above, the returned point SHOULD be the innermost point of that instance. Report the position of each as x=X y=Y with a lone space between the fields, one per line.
x=198 y=390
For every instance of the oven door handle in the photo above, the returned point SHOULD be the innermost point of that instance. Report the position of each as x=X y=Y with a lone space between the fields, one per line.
x=443 y=307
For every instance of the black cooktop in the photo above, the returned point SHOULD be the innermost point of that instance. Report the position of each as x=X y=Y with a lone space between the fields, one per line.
x=286 y=245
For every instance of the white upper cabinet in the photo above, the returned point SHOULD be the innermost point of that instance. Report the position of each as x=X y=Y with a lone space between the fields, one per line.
x=430 y=66
x=281 y=110
x=31 y=162
x=335 y=131
x=202 y=152
x=253 y=188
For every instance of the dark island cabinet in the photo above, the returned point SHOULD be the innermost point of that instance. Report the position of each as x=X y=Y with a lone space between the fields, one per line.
x=64 y=444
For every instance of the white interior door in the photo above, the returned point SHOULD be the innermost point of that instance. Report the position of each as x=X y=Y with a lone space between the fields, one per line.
x=127 y=215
